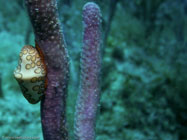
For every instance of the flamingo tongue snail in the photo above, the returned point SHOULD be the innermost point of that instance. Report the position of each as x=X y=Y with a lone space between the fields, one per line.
x=30 y=73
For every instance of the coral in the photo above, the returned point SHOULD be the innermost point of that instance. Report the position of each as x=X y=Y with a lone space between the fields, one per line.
x=49 y=37
x=50 y=43
x=88 y=98
x=143 y=87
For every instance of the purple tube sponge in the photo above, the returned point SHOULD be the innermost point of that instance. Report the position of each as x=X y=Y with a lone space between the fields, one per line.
x=50 y=40
x=89 y=95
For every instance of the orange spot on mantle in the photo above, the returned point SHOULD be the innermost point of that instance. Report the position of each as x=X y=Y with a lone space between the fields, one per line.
x=43 y=60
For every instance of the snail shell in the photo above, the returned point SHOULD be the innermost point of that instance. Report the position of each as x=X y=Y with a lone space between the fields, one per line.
x=30 y=74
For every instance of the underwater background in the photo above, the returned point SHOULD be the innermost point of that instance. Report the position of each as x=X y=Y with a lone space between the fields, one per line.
x=144 y=69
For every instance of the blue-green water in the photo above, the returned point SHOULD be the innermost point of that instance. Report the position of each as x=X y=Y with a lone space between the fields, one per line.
x=144 y=69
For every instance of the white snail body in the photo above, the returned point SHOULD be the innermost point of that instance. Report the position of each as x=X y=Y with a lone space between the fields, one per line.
x=30 y=74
